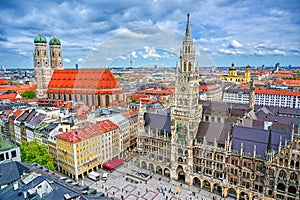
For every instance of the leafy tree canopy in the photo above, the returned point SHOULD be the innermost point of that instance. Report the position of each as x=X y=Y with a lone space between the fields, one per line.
x=28 y=94
x=34 y=152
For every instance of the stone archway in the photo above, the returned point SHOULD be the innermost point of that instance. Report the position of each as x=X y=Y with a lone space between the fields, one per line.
x=167 y=172
x=206 y=185
x=196 y=182
x=159 y=170
x=217 y=189
x=244 y=196
x=180 y=174
x=292 y=190
x=144 y=165
x=151 y=167
x=281 y=187
x=232 y=192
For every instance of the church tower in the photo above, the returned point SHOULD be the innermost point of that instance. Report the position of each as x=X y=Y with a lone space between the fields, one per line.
x=55 y=54
x=41 y=66
x=186 y=113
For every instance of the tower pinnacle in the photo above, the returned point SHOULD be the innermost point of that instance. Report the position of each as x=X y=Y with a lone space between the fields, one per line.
x=188 y=31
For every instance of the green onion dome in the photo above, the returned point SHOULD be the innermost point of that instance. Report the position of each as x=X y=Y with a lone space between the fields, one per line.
x=54 y=41
x=40 y=39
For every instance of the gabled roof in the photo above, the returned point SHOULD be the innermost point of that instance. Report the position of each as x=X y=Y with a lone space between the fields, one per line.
x=160 y=121
x=211 y=131
x=259 y=137
x=11 y=171
x=88 y=130
x=276 y=92
x=87 y=80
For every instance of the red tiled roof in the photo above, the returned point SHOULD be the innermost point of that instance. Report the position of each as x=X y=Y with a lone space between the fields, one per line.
x=89 y=81
x=88 y=131
x=292 y=82
x=276 y=92
x=20 y=88
x=155 y=92
x=10 y=96
x=282 y=74
x=209 y=87
x=3 y=82
x=129 y=113
x=68 y=105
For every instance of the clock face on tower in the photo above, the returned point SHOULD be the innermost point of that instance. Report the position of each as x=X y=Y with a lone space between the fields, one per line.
x=182 y=88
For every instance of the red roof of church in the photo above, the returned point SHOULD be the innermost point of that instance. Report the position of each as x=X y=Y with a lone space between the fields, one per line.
x=94 y=81
x=88 y=131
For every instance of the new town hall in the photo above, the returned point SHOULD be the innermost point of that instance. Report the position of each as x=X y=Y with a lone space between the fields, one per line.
x=228 y=149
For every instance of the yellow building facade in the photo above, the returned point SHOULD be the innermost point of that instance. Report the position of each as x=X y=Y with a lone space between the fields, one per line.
x=80 y=151
x=234 y=77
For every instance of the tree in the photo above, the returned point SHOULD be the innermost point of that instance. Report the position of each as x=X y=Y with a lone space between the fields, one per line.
x=34 y=152
x=28 y=94
x=134 y=100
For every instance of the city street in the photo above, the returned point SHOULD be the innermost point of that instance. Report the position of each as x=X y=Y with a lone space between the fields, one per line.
x=157 y=188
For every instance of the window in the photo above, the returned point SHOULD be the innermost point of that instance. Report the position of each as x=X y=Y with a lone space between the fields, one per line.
x=1 y=157
x=13 y=154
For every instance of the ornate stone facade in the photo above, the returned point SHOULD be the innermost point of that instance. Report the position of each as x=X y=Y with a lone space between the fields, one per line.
x=167 y=145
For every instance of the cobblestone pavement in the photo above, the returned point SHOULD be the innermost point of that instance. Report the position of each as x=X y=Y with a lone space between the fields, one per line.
x=156 y=188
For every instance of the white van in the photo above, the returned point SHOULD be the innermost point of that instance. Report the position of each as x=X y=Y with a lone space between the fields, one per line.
x=104 y=176
x=94 y=176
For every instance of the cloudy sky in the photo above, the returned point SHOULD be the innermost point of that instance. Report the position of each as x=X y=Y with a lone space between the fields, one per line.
x=106 y=33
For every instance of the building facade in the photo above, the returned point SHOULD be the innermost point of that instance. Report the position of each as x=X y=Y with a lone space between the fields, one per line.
x=233 y=76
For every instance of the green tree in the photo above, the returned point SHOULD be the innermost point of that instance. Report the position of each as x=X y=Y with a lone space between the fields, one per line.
x=134 y=100
x=28 y=94
x=34 y=152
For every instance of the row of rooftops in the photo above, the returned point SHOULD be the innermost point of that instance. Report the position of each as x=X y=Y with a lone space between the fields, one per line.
x=256 y=126
x=26 y=180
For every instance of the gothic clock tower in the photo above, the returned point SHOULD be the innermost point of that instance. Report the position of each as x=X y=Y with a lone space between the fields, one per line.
x=186 y=113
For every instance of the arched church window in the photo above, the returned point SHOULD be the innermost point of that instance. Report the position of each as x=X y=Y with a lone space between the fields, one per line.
x=190 y=66
x=293 y=176
x=93 y=99
x=38 y=53
x=44 y=53
x=87 y=99
x=106 y=100
x=184 y=66
x=189 y=49
x=282 y=174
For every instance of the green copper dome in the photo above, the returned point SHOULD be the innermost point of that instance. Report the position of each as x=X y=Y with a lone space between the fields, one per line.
x=40 y=39
x=54 y=41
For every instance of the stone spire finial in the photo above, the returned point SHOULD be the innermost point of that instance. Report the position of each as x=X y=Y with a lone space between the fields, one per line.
x=188 y=30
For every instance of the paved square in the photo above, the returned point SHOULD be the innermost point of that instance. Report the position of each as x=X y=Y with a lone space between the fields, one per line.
x=150 y=195
x=131 y=197
x=113 y=190
x=129 y=188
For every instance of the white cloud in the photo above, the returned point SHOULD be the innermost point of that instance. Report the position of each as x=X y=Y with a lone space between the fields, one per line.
x=133 y=54
x=80 y=60
x=123 y=57
x=235 y=44
x=67 y=60
x=227 y=51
